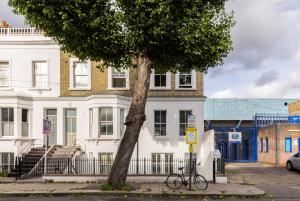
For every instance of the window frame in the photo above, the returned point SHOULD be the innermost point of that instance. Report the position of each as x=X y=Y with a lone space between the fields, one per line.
x=9 y=74
x=10 y=161
x=10 y=127
x=186 y=123
x=34 y=82
x=25 y=123
x=160 y=123
x=122 y=127
x=261 y=144
x=267 y=144
x=105 y=168
x=193 y=74
x=72 y=74
x=106 y=122
x=152 y=81
x=291 y=145
x=111 y=77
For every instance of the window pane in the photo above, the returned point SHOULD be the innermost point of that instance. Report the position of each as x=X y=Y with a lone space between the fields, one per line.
x=4 y=74
x=163 y=116
x=182 y=129
x=24 y=115
x=103 y=129
x=182 y=117
x=122 y=121
x=70 y=112
x=4 y=114
x=163 y=130
x=288 y=145
x=160 y=80
x=102 y=112
x=157 y=116
x=109 y=114
x=185 y=80
x=119 y=82
x=109 y=129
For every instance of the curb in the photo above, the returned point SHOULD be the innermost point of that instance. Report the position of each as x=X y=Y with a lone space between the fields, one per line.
x=132 y=194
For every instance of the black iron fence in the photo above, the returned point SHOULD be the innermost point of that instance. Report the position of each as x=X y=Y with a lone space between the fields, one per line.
x=218 y=168
x=96 y=166
x=6 y=169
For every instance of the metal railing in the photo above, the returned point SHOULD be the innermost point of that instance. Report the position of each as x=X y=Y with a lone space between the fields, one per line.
x=21 y=32
x=6 y=169
x=96 y=166
x=218 y=168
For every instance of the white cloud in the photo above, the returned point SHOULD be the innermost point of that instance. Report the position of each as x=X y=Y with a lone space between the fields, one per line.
x=227 y=93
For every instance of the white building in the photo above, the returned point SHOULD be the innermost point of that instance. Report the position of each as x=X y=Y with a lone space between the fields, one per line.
x=87 y=107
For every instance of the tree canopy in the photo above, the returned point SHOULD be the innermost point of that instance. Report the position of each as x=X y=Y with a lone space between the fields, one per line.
x=175 y=34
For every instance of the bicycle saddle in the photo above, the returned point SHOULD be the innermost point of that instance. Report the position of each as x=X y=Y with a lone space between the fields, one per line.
x=181 y=168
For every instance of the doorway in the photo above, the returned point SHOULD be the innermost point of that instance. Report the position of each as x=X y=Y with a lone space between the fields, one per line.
x=51 y=115
x=70 y=126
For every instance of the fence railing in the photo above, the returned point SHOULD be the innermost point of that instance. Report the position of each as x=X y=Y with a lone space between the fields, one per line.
x=96 y=166
x=20 y=32
x=6 y=169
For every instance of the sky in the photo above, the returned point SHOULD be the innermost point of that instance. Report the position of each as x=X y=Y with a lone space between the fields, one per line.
x=265 y=61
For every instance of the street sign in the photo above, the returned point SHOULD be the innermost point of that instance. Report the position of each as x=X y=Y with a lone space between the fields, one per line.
x=294 y=119
x=46 y=127
x=234 y=137
x=190 y=135
x=191 y=121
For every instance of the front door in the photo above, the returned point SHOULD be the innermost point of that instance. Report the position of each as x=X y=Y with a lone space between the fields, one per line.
x=70 y=121
x=51 y=115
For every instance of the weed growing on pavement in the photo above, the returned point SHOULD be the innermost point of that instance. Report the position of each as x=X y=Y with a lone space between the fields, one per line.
x=111 y=187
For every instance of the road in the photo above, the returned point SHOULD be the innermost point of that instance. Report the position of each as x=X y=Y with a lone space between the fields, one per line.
x=83 y=198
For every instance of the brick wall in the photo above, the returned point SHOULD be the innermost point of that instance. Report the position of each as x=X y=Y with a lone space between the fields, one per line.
x=270 y=156
x=288 y=130
x=100 y=83
x=294 y=108
x=283 y=131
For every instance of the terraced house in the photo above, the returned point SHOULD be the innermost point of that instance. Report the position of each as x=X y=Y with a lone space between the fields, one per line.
x=87 y=107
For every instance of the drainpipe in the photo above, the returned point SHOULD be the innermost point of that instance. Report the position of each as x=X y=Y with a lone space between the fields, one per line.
x=276 y=145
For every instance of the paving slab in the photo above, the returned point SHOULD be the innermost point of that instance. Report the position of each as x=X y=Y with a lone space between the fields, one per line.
x=140 y=190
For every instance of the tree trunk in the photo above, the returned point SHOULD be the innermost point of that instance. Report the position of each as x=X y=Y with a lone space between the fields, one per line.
x=134 y=121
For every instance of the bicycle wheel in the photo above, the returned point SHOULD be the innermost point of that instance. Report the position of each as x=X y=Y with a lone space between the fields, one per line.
x=174 y=181
x=200 y=182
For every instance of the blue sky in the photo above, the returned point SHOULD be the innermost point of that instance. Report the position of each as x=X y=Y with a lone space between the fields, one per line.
x=265 y=62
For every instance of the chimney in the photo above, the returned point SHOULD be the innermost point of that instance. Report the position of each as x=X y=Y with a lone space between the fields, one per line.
x=4 y=24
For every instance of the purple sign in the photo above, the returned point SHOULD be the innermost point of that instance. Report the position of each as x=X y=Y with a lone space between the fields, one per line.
x=46 y=127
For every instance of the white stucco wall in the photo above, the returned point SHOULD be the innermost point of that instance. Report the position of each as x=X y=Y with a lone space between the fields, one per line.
x=20 y=58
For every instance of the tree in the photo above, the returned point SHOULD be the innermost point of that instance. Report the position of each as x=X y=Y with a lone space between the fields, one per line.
x=165 y=35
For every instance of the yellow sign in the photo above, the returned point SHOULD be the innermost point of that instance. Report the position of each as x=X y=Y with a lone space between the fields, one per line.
x=190 y=135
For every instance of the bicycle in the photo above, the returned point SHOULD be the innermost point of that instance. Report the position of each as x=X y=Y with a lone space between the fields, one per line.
x=175 y=181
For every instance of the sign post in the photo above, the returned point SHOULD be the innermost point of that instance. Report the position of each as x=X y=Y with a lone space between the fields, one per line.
x=190 y=138
x=46 y=131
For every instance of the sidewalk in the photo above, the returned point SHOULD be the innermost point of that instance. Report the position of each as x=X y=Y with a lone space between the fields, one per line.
x=140 y=189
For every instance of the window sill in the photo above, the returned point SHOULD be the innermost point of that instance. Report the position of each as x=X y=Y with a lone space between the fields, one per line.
x=80 y=89
x=160 y=88
x=186 y=89
x=6 y=89
x=118 y=89
x=39 y=89
x=157 y=137
x=108 y=138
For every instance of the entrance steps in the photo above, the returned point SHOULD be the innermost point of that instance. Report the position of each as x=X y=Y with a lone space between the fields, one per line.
x=31 y=165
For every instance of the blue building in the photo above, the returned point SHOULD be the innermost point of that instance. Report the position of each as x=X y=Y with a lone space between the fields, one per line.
x=237 y=115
